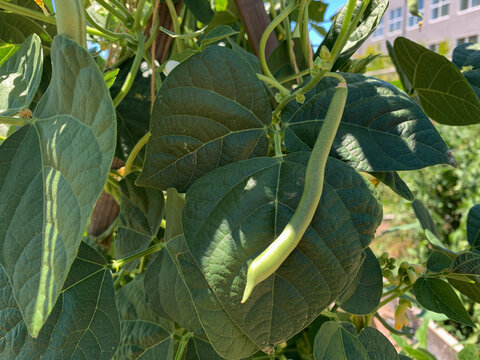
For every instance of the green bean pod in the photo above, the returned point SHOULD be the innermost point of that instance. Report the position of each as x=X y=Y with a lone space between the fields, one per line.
x=275 y=254
x=70 y=15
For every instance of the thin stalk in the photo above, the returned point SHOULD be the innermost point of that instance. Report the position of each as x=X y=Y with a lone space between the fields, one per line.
x=122 y=8
x=291 y=53
x=138 y=15
x=182 y=346
x=357 y=18
x=270 y=82
x=121 y=262
x=391 y=297
x=389 y=328
x=176 y=24
x=136 y=149
x=263 y=41
x=154 y=29
x=105 y=33
x=339 y=43
x=298 y=75
x=119 y=279
x=303 y=24
x=119 y=15
x=127 y=85
x=277 y=140
x=20 y=10
x=6 y=120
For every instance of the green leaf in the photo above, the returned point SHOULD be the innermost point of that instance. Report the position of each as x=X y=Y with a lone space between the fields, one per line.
x=417 y=354
x=165 y=291
x=20 y=77
x=365 y=27
x=202 y=122
x=133 y=113
x=339 y=341
x=469 y=352
x=279 y=60
x=473 y=226
x=439 y=261
x=200 y=349
x=141 y=212
x=365 y=291
x=382 y=129
x=201 y=9
x=15 y=29
x=216 y=34
x=83 y=324
x=444 y=93
x=406 y=85
x=467 y=263
x=110 y=77
x=471 y=290
x=62 y=157
x=251 y=203
x=438 y=296
x=6 y=51
x=423 y=216
x=144 y=333
x=467 y=56
x=394 y=182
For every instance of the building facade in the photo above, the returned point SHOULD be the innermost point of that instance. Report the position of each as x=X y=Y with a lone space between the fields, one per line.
x=446 y=24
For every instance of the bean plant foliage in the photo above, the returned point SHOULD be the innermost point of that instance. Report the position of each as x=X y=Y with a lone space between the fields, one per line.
x=216 y=154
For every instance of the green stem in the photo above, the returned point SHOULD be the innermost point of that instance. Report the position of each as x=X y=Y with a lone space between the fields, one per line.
x=273 y=83
x=391 y=297
x=153 y=35
x=340 y=42
x=138 y=15
x=105 y=33
x=277 y=139
x=304 y=36
x=6 y=120
x=119 y=279
x=20 y=10
x=176 y=24
x=121 y=262
x=357 y=18
x=295 y=76
x=182 y=346
x=122 y=8
x=288 y=36
x=136 y=149
x=120 y=16
x=127 y=85
x=389 y=328
x=266 y=34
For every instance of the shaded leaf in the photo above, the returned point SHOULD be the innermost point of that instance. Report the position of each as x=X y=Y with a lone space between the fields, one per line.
x=444 y=93
x=144 y=334
x=365 y=27
x=200 y=349
x=216 y=34
x=365 y=291
x=471 y=290
x=438 y=296
x=423 y=216
x=62 y=157
x=20 y=77
x=201 y=122
x=382 y=129
x=83 y=324
x=6 y=51
x=439 y=261
x=15 y=28
x=223 y=239
x=473 y=226
x=110 y=77
x=406 y=85
x=394 y=182
x=141 y=212
x=201 y=9
x=467 y=263
x=468 y=55
x=279 y=61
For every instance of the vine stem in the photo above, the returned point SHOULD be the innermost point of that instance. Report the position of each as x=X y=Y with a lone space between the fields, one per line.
x=275 y=84
x=291 y=53
x=120 y=16
x=136 y=149
x=176 y=24
x=263 y=41
x=127 y=85
x=303 y=27
x=107 y=34
x=121 y=262
x=6 y=120
x=138 y=15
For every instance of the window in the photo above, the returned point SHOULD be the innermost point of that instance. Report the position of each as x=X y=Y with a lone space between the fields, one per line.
x=467 y=4
x=434 y=47
x=440 y=9
x=379 y=30
x=467 y=39
x=413 y=20
x=395 y=20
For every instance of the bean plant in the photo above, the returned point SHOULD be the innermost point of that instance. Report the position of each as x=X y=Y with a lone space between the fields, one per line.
x=247 y=186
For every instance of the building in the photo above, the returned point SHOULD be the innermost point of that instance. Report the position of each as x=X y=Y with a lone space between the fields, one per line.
x=446 y=23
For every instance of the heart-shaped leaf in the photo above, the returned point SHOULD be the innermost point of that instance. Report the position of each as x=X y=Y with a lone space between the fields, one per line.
x=83 y=324
x=210 y=111
x=51 y=173
x=444 y=93
x=143 y=332
x=20 y=77
x=365 y=291
x=382 y=129
x=228 y=225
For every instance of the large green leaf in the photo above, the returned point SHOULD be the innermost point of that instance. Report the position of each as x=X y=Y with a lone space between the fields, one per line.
x=381 y=130
x=439 y=261
x=425 y=219
x=210 y=111
x=133 y=113
x=473 y=226
x=365 y=291
x=144 y=333
x=438 y=296
x=228 y=225
x=141 y=212
x=467 y=58
x=365 y=27
x=467 y=263
x=15 y=29
x=51 y=173
x=471 y=290
x=444 y=93
x=339 y=341
x=84 y=323
x=20 y=76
